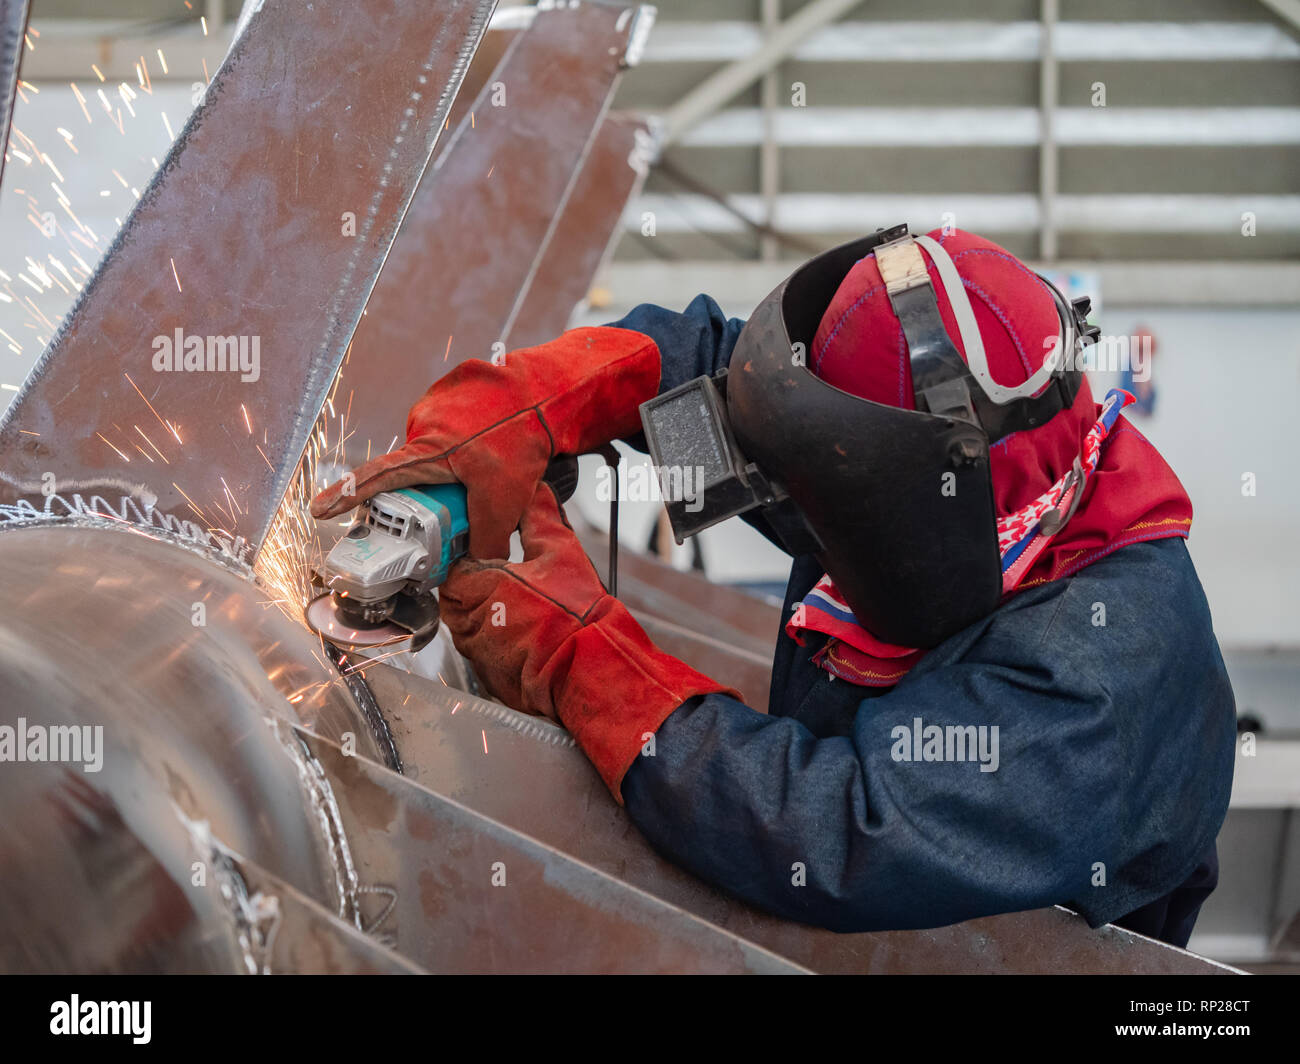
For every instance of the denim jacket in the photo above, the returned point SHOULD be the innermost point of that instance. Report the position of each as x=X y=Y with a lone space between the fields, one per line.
x=1084 y=764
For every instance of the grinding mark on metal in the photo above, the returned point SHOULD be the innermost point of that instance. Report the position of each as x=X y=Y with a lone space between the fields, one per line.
x=256 y=917
x=520 y=722
x=127 y=511
x=199 y=546
x=320 y=794
x=370 y=707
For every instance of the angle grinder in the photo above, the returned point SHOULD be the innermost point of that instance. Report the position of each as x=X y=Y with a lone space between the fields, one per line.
x=378 y=582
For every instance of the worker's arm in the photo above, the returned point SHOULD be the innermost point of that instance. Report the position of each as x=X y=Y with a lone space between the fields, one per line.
x=1115 y=745
x=697 y=342
x=694 y=343
x=495 y=427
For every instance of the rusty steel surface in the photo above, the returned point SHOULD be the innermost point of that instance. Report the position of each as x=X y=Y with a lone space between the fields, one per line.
x=483 y=217
x=587 y=230
x=267 y=223
x=496 y=42
x=536 y=781
x=13 y=26
x=464 y=894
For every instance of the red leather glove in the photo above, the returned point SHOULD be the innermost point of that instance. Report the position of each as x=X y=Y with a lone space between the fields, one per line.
x=495 y=428
x=546 y=638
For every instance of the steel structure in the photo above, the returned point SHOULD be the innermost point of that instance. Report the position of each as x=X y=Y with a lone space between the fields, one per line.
x=13 y=26
x=229 y=795
x=481 y=241
x=300 y=162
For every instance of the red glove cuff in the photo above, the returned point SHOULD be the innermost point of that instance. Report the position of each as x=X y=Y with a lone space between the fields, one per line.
x=621 y=690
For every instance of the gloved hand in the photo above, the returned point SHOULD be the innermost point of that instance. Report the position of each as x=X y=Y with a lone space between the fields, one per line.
x=495 y=428
x=546 y=638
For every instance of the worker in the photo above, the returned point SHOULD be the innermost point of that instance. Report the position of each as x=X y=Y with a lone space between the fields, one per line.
x=997 y=686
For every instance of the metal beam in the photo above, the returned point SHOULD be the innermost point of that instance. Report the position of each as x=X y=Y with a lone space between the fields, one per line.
x=769 y=153
x=723 y=86
x=483 y=218
x=1287 y=10
x=738 y=286
x=460 y=893
x=1048 y=93
x=13 y=25
x=264 y=229
x=528 y=775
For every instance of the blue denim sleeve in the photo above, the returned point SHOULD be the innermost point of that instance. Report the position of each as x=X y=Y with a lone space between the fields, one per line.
x=695 y=343
x=1096 y=770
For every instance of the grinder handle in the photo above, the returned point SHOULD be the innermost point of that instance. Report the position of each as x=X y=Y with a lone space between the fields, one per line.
x=562 y=475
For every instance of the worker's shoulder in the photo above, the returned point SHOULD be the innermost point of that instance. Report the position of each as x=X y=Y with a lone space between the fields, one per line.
x=1147 y=587
x=1131 y=615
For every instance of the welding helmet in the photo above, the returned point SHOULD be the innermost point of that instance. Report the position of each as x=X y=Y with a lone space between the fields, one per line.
x=896 y=504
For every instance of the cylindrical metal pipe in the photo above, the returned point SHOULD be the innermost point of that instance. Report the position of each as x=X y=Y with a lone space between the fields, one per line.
x=146 y=688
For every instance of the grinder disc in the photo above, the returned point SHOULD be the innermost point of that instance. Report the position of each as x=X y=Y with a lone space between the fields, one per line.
x=325 y=619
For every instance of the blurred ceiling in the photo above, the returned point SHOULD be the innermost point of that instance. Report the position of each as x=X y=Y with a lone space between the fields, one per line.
x=1176 y=123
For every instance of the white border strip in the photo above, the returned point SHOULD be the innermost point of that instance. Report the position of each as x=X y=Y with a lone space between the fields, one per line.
x=965 y=41
x=830 y=213
x=834 y=127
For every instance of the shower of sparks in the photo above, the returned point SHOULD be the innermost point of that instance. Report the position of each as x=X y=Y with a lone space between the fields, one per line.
x=230 y=495
x=193 y=506
x=293 y=545
x=164 y=423
x=124 y=457
x=81 y=100
x=150 y=443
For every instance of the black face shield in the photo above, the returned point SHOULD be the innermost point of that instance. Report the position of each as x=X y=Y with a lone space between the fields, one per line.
x=896 y=505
